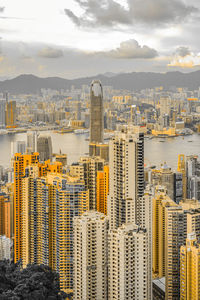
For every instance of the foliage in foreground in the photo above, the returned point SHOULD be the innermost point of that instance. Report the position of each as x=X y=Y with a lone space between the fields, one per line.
x=35 y=282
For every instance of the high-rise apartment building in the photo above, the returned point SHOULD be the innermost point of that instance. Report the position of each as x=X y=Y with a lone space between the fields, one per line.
x=91 y=256
x=44 y=147
x=126 y=152
x=49 y=204
x=21 y=161
x=190 y=269
x=102 y=189
x=96 y=112
x=128 y=264
x=176 y=233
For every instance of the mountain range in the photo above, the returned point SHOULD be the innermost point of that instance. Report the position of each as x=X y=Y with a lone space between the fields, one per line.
x=136 y=81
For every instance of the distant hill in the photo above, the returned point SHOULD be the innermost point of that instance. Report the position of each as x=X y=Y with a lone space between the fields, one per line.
x=25 y=84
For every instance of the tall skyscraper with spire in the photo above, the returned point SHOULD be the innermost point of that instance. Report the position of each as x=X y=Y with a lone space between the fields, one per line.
x=96 y=112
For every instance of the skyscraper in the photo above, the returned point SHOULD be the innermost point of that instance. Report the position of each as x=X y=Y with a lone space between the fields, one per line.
x=182 y=169
x=44 y=147
x=11 y=114
x=90 y=256
x=96 y=112
x=161 y=202
x=49 y=204
x=190 y=269
x=126 y=152
x=2 y=113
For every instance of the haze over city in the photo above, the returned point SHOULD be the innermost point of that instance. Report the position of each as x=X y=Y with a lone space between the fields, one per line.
x=99 y=150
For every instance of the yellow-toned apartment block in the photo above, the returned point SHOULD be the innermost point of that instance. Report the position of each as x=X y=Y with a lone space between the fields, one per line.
x=190 y=269
x=49 y=204
x=21 y=161
x=160 y=202
x=102 y=189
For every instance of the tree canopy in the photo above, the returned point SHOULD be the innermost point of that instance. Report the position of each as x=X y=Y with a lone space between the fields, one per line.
x=35 y=282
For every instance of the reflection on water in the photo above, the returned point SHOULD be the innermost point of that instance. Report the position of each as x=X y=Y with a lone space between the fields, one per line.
x=74 y=146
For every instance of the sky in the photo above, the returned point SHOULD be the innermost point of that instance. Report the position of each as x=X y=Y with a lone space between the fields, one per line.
x=80 y=38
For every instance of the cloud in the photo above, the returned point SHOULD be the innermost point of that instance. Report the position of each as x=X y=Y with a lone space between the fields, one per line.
x=109 y=13
x=183 y=51
x=130 y=50
x=184 y=58
x=49 y=52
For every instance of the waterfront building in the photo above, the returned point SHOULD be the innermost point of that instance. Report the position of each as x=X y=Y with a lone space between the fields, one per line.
x=2 y=113
x=21 y=147
x=10 y=114
x=91 y=256
x=31 y=142
x=44 y=147
x=96 y=112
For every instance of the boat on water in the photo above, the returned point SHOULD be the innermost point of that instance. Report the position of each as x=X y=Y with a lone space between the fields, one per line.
x=81 y=131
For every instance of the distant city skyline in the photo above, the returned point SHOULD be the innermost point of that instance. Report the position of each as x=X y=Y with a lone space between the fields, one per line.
x=83 y=38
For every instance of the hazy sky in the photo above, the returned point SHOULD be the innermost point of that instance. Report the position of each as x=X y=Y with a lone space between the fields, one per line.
x=72 y=38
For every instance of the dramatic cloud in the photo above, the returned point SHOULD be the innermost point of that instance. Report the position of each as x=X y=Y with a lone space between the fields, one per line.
x=109 y=13
x=130 y=50
x=49 y=52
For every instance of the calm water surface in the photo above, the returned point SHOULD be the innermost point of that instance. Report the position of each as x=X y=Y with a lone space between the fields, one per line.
x=74 y=146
